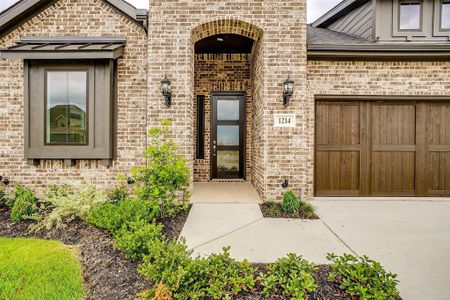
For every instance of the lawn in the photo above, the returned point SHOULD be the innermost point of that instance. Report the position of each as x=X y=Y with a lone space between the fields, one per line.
x=38 y=269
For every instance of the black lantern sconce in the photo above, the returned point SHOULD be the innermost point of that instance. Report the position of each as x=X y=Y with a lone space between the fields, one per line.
x=288 y=91
x=166 y=90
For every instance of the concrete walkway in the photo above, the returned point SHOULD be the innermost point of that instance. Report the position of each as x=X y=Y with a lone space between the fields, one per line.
x=224 y=192
x=411 y=238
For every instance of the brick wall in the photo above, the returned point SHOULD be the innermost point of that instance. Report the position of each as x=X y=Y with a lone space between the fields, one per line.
x=279 y=28
x=77 y=18
x=221 y=73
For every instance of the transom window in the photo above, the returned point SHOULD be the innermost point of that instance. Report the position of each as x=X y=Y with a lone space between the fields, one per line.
x=445 y=15
x=66 y=107
x=410 y=15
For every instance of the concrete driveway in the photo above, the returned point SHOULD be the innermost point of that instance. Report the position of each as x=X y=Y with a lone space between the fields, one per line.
x=411 y=238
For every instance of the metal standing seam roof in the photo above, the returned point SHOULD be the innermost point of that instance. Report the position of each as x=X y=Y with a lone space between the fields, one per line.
x=65 y=48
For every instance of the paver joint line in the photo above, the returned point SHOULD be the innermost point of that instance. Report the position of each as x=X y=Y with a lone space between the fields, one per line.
x=228 y=233
x=339 y=238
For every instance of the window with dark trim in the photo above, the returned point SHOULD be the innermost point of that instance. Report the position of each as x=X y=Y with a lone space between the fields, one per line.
x=445 y=15
x=410 y=15
x=66 y=107
x=200 y=145
x=63 y=101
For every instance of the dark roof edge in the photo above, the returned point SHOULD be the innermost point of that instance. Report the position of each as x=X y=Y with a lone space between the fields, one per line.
x=337 y=12
x=14 y=16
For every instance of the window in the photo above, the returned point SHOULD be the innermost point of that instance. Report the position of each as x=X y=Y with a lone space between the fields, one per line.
x=445 y=15
x=70 y=109
x=200 y=127
x=410 y=15
x=66 y=108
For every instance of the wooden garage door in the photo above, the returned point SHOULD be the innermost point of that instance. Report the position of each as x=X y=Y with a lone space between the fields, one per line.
x=382 y=148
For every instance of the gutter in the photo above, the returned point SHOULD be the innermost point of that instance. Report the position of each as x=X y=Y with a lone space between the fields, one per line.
x=379 y=51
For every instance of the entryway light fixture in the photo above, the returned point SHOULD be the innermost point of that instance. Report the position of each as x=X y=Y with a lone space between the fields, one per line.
x=288 y=90
x=166 y=90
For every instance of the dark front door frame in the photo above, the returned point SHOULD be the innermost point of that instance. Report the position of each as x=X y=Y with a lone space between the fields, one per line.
x=215 y=173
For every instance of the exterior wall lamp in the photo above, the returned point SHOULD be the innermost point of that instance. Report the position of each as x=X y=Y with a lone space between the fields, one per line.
x=166 y=90
x=288 y=91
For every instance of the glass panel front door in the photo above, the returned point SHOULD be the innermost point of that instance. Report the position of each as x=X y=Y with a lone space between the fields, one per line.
x=227 y=135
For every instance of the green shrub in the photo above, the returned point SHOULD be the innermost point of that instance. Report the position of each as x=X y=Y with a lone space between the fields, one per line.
x=291 y=276
x=119 y=192
x=306 y=210
x=227 y=277
x=65 y=204
x=23 y=204
x=290 y=203
x=218 y=276
x=133 y=238
x=114 y=216
x=3 y=198
x=363 y=277
x=170 y=263
x=166 y=174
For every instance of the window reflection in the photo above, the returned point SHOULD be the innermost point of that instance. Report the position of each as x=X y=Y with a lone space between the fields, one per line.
x=445 y=15
x=410 y=15
x=66 y=121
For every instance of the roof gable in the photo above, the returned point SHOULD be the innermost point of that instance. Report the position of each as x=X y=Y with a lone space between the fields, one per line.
x=338 y=11
x=23 y=10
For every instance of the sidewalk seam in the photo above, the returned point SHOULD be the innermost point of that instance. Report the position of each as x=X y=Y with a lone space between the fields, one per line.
x=226 y=234
x=339 y=238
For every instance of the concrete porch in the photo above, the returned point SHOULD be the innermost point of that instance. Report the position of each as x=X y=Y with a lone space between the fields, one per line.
x=225 y=192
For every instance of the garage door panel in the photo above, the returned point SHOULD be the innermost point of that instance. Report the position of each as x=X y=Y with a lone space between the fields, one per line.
x=393 y=173
x=394 y=124
x=438 y=148
x=339 y=172
x=338 y=123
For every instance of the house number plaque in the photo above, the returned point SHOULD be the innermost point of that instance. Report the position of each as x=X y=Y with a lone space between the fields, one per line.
x=284 y=120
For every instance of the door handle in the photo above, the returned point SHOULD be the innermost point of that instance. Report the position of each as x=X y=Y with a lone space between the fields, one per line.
x=214 y=148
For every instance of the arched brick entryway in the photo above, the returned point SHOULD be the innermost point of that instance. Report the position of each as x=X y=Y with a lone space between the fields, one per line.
x=230 y=72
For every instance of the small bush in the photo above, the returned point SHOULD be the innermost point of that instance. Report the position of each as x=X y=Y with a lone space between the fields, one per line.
x=290 y=203
x=3 y=198
x=291 y=276
x=227 y=277
x=120 y=192
x=363 y=277
x=114 y=216
x=170 y=263
x=23 y=204
x=166 y=174
x=133 y=238
x=306 y=210
x=218 y=276
x=65 y=204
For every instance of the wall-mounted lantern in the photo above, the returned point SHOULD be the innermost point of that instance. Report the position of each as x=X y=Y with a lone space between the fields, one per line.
x=166 y=90
x=288 y=91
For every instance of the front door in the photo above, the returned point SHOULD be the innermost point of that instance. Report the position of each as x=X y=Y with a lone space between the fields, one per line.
x=228 y=135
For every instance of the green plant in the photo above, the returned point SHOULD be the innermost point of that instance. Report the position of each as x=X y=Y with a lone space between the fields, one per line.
x=363 y=277
x=227 y=277
x=133 y=238
x=23 y=204
x=3 y=198
x=119 y=192
x=306 y=210
x=65 y=204
x=114 y=216
x=290 y=203
x=218 y=276
x=166 y=174
x=291 y=276
x=170 y=263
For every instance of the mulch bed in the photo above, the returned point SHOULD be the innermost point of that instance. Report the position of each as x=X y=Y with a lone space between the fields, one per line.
x=273 y=210
x=107 y=273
